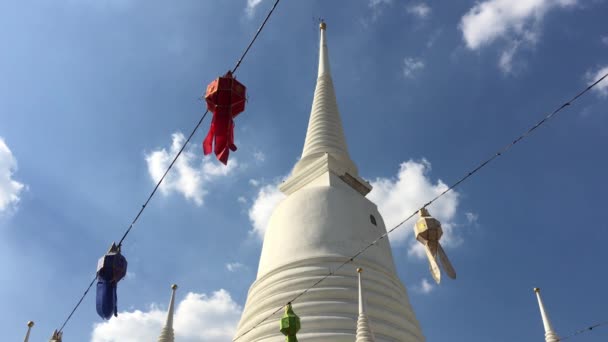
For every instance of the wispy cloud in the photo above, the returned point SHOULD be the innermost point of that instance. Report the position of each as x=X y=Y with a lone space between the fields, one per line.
x=251 y=7
x=433 y=38
x=10 y=189
x=259 y=156
x=602 y=87
x=198 y=318
x=425 y=286
x=420 y=10
x=515 y=22
x=190 y=174
x=505 y=62
x=472 y=218
x=412 y=66
x=234 y=266
x=377 y=7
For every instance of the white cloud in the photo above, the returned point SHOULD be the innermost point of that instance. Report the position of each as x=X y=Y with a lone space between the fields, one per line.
x=234 y=266
x=10 y=189
x=254 y=182
x=400 y=196
x=411 y=66
x=420 y=10
x=198 y=318
x=505 y=62
x=602 y=87
x=266 y=200
x=242 y=199
x=605 y=40
x=425 y=286
x=377 y=3
x=259 y=156
x=191 y=172
x=492 y=19
x=433 y=38
x=251 y=6
x=472 y=218
x=377 y=7
x=514 y=21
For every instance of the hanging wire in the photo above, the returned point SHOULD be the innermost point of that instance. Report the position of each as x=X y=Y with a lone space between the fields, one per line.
x=238 y=63
x=481 y=165
x=144 y=206
x=584 y=330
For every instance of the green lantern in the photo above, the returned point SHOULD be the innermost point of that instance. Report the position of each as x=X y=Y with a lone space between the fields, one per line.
x=290 y=324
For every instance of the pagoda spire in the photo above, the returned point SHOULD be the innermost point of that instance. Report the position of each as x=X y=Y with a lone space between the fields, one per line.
x=325 y=144
x=57 y=336
x=550 y=335
x=167 y=334
x=30 y=324
x=364 y=331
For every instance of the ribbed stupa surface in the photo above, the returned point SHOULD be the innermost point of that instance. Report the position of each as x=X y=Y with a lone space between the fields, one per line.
x=364 y=332
x=325 y=133
x=166 y=335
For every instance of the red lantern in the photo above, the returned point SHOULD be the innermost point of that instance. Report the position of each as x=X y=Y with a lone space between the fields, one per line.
x=225 y=99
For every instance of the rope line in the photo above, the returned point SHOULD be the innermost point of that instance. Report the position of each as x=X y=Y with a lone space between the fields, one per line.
x=158 y=184
x=584 y=330
x=499 y=153
x=238 y=63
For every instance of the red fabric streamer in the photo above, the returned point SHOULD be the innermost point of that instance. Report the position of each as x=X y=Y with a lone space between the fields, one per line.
x=225 y=99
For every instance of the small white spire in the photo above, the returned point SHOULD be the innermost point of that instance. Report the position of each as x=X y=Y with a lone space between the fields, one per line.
x=167 y=334
x=57 y=336
x=364 y=331
x=30 y=324
x=550 y=335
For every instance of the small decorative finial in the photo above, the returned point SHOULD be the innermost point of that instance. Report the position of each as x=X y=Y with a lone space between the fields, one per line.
x=424 y=213
x=359 y=270
x=536 y=290
x=174 y=287
x=30 y=324
x=322 y=25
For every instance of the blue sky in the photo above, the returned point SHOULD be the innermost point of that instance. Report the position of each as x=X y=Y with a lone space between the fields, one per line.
x=93 y=94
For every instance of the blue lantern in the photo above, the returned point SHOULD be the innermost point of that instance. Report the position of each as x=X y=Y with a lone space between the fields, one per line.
x=111 y=268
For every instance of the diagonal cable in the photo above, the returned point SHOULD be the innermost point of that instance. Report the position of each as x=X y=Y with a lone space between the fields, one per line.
x=158 y=184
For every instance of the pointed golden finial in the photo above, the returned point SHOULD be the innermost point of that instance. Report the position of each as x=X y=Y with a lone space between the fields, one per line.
x=322 y=25
x=30 y=324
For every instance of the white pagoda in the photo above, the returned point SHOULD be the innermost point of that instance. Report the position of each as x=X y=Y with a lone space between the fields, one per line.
x=322 y=222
